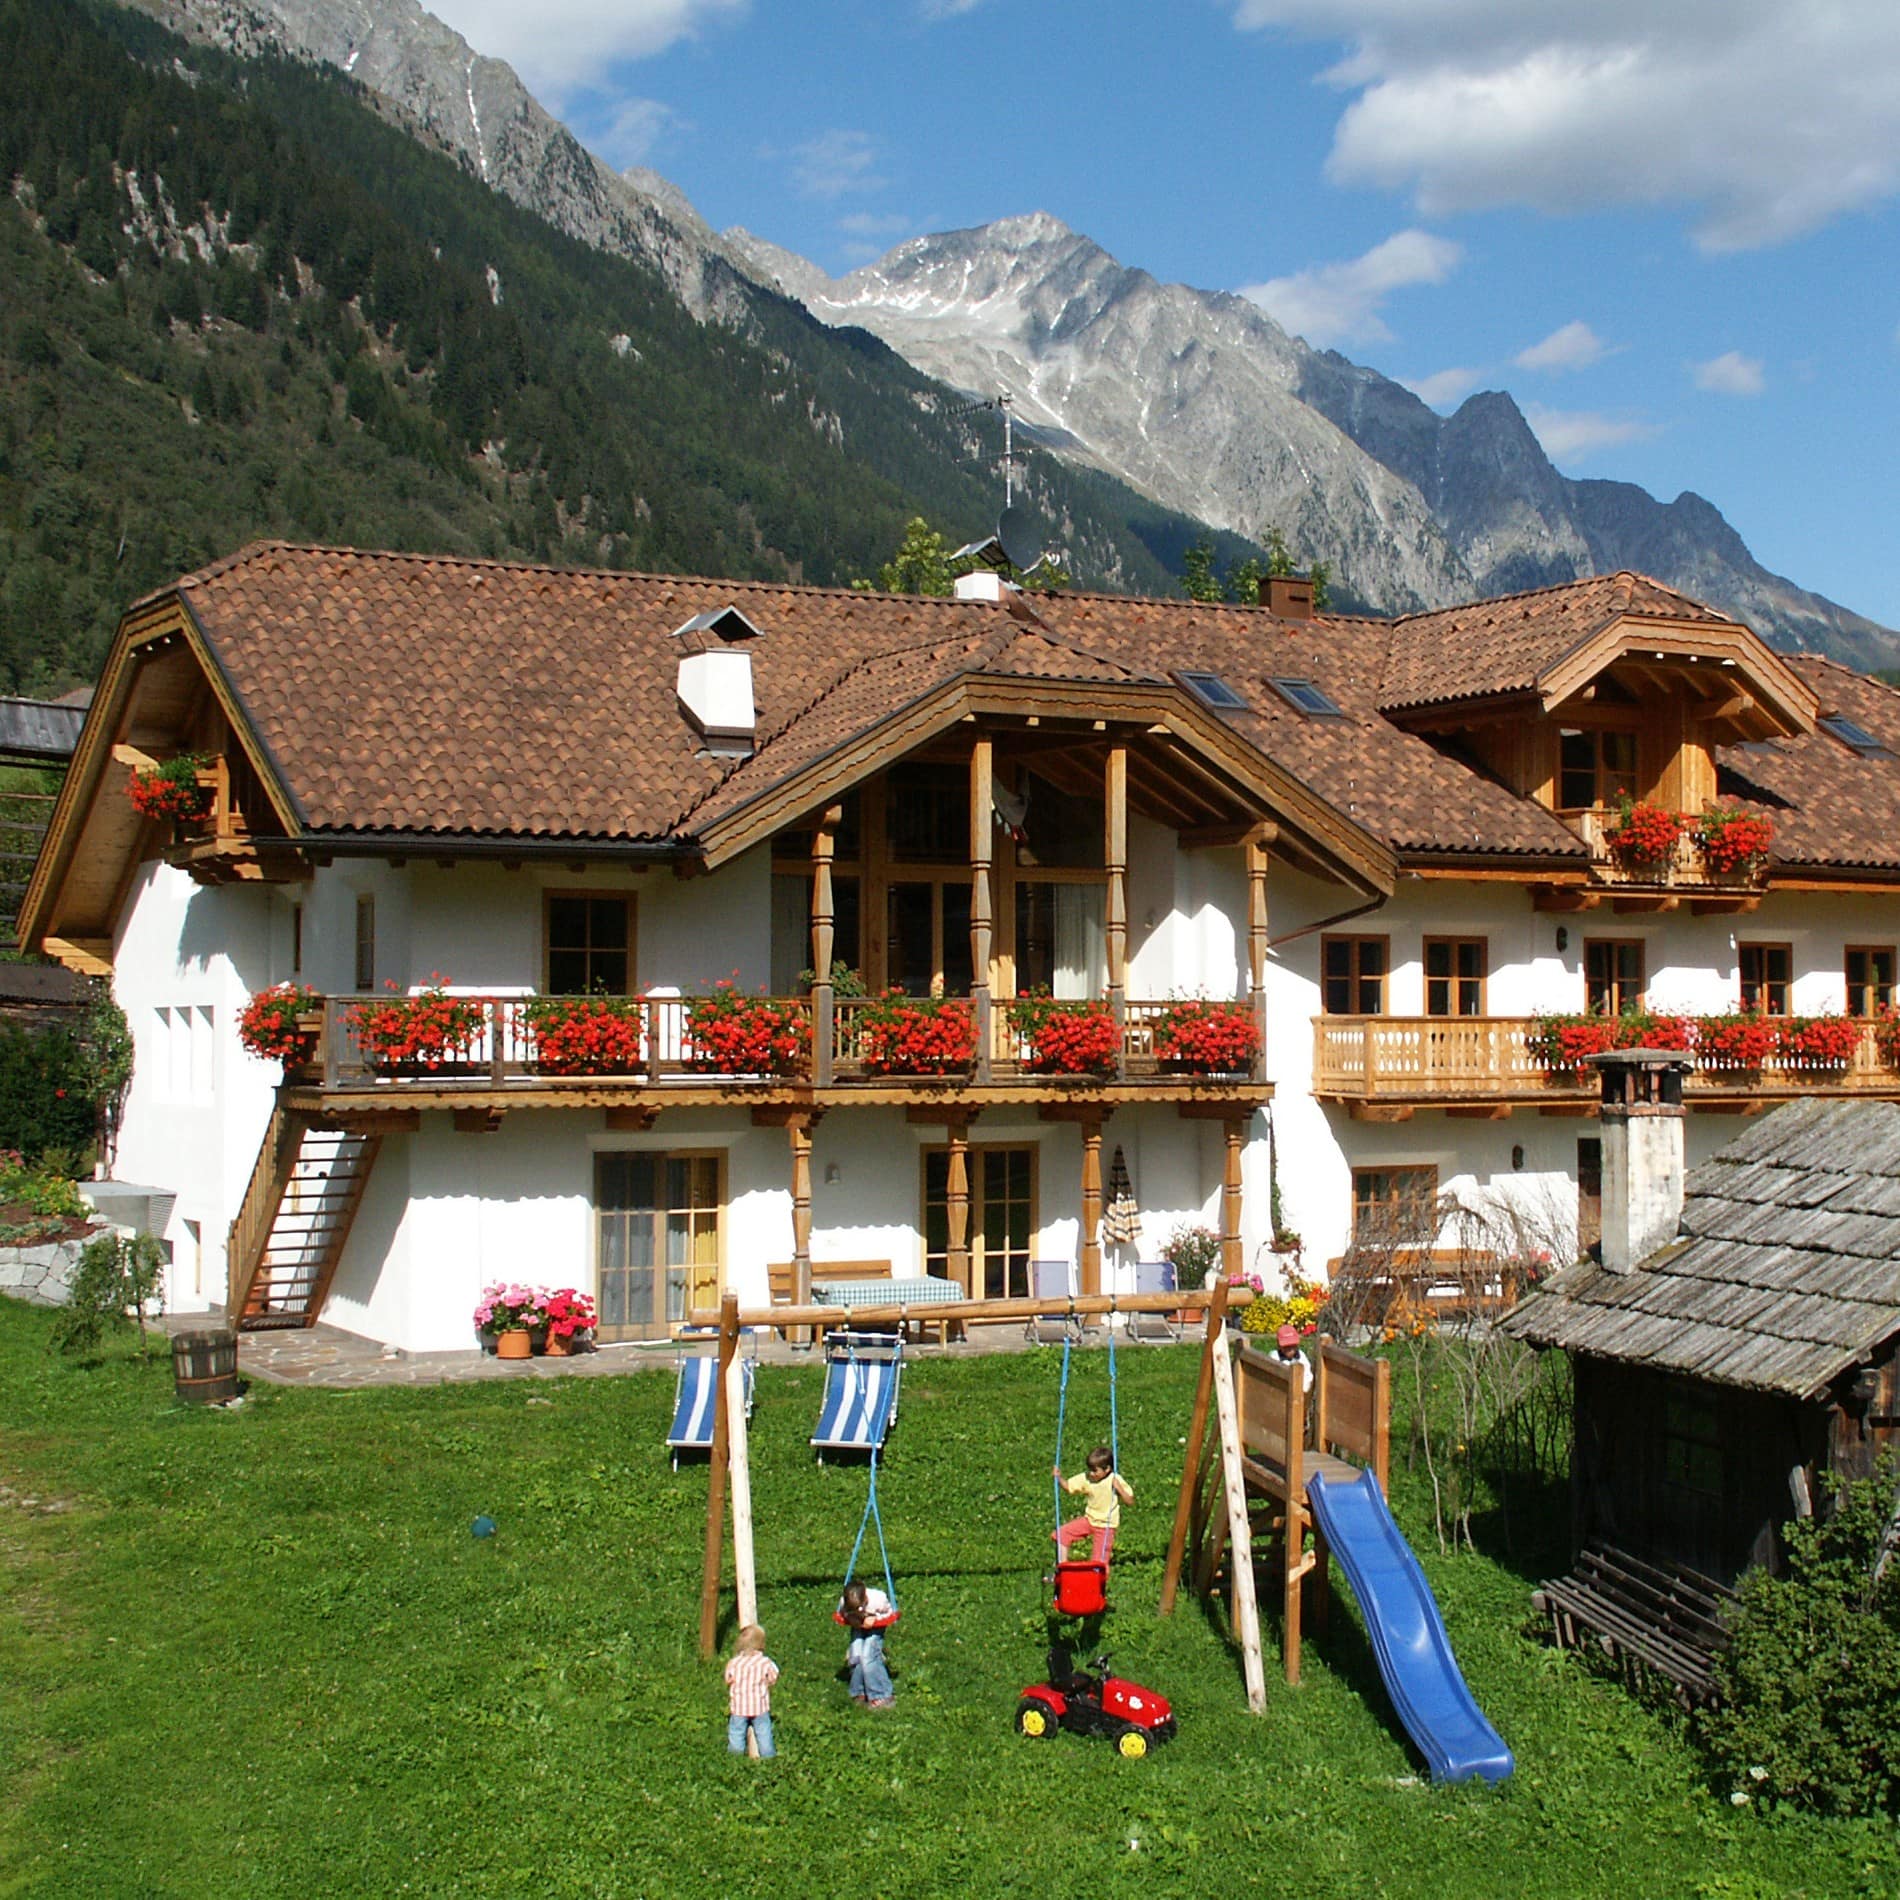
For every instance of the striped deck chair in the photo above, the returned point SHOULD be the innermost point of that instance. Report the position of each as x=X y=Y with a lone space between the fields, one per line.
x=862 y=1374
x=695 y=1402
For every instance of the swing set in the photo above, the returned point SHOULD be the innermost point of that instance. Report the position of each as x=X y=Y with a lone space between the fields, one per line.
x=1081 y=1587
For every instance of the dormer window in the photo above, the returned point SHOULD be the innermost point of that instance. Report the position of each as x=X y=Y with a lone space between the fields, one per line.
x=1304 y=696
x=1856 y=738
x=1211 y=690
x=1594 y=767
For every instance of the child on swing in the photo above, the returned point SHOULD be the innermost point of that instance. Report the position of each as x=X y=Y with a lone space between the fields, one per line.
x=865 y=1611
x=1107 y=1491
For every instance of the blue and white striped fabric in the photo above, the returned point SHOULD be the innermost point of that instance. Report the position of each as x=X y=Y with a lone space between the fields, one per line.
x=696 y=1402
x=860 y=1396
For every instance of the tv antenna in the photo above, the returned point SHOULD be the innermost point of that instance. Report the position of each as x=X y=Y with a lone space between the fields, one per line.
x=1016 y=540
x=1009 y=458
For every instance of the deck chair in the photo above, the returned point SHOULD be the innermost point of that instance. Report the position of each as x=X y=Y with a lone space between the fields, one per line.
x=1153 y=1276
x=1052 y=1280
x=696 y=1401
x=862 y=1374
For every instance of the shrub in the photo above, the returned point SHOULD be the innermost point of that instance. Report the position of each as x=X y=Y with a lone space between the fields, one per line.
x=1809 y=1684
x=587 y=1035
x=1066 y=1038
x=60 y=1088
x=731 y=1033
x=42 y=1190
x=117 y=1277
x=1194 y=1253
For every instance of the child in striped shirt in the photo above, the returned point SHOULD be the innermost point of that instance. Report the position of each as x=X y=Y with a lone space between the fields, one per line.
x=749 y=1679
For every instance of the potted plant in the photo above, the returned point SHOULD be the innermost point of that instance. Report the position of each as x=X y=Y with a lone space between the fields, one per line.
x=587 y=1035
x=420 y=1034
x=731 y=1033
x=569 y=1317
x=1733 y=840
x=1887 y=1035
x=1194 y=1252
x=276 y=1024
x=1643 y=836
x=1202 y=1037
x=505 y=1317
x=172 y=790
x=1564 y=1043
x=1066 y=1038
x=1739 y=1039
x=1818 y=1042
x=917 y=1035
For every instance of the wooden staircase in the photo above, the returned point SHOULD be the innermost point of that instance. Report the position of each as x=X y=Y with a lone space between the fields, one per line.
x=289 y=1234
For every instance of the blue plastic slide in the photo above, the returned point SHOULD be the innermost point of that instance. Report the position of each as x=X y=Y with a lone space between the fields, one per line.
x=1407 y=1632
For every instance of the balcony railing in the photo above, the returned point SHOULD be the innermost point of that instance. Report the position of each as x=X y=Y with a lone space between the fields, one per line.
x=1447 y=1060
x=659 y=1049
x=1685 y=868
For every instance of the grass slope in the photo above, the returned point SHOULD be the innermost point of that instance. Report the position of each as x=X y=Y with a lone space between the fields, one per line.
x=260 y=1653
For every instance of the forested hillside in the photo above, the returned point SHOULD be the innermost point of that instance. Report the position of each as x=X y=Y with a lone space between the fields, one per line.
x=239 y=302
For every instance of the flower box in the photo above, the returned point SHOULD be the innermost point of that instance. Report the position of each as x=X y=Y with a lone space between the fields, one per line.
x=277 y=1024
x=1643 y=836
x=587 y=1035
x=430 y=1033
x=730 y=1033
x=1732 y=840
x=1079 y=1039
x=1736 y=1041
x=1818 y=1042
x=917 y=1035
x=1202 y=1037
x=173 y=790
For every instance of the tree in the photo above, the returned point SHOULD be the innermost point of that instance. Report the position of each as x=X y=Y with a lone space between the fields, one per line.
x=1243 y=578
x=1197 y=572
x=922 y=564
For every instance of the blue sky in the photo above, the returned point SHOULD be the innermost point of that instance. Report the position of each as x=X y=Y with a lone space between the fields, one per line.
x=1670 y=228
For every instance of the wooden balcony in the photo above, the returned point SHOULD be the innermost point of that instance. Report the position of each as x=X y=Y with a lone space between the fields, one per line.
x=1685 y=873
x=499 y=1068
x=1387 y=1067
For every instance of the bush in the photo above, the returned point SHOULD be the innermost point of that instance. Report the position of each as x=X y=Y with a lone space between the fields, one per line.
x=1811 y=1680
x=117 y=1278
x=59 y=1087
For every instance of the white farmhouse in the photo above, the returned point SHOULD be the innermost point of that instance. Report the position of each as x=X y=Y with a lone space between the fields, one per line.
x=1321 y=874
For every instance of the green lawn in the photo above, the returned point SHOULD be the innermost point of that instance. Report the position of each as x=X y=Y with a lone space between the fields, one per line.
x=259 y=1653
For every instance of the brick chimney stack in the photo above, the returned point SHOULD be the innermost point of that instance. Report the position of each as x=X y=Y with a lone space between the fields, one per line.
x=1641 y=1124
x=1288 y=595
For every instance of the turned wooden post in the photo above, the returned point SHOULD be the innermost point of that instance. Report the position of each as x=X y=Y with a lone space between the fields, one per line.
x=982 y=919
x=1092 y=1206
x=824 y=844
x=1115 y=859
x=957 y=1206
x=716 y=1487
x=1257 y=950
x=800 y=1133
x=1232 y=1258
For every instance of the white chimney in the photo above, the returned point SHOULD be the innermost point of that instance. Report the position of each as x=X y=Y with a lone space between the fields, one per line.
x=715 y=679
x=984 y=584
x=1641 y=1123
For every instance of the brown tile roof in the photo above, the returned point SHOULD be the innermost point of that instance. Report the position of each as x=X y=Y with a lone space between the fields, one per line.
x=1506 y=645
x=414 y=694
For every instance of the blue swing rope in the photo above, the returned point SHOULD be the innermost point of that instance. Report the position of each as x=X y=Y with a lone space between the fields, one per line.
x=872 y=1515
x=1062 y=1409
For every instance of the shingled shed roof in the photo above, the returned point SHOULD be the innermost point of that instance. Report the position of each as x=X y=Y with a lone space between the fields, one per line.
x=1789 y=1274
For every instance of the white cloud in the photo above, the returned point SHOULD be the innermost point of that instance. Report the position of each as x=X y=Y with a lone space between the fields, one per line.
x=834 y=163
x=558 y=44
x=875 y=224
x=1334 y=303
x=1730 y=374
x=1569 y=435
x=1771 y=117
x=1446 y=386
x=635 y=128
x=948 y=9
x=1575 y=346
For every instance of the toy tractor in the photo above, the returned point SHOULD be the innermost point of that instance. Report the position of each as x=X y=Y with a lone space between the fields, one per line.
x=1093 y=1702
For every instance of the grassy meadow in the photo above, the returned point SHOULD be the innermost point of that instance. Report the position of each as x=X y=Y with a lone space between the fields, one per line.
x=259 y=1652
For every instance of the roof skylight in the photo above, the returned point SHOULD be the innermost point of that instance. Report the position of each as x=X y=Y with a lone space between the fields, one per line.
x=1309 y=698
x=1856 y=738
x=1211 y=690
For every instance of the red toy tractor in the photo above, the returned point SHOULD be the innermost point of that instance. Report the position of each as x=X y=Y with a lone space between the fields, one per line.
x=1092 y=1702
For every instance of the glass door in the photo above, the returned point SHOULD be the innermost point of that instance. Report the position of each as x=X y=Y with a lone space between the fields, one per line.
x=657 y=1240
x=1002 y=1219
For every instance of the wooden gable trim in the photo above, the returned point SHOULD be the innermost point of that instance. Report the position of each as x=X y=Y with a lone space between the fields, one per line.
x=1790 y=704
x=1353 y=853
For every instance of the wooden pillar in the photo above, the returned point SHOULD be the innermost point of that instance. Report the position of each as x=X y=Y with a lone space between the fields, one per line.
x=744 y=1572
x=957 y=1206
x=1092 y=1206
x=982 y=915
x=824 y=841
x=1257 y=949
x=1213 y=1341
x=1232 y=1259
x=1115 y=859
x=800 y=1133
x=716 y=1487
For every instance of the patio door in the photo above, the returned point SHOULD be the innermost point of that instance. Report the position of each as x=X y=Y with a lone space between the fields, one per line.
x=1002 y=1219
x=657 y=1240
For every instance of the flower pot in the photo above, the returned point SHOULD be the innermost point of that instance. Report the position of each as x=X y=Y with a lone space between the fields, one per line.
x=558 y=1347
x=516 y=1343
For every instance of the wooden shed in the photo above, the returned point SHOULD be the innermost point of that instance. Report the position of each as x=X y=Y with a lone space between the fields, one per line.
x=1719 y=1381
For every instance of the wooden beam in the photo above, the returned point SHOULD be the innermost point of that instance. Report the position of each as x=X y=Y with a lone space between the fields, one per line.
x=1246 y=1611
x=1091 y=1261
x=716 y=1488
x=89 y=956
x=135 y=756
x=1563 y=897
x=1211 y=1343
x=476 y=1121
x=1723 y=906
x=744 y=1574
x=1224 y=1109
x=1381 y=1112
x=949 y=1115
x=1647 y=905
x=1085 y=1112
x=1261 y=831
x=631 y=1121
x=373 y=1121
x=1498 y=1112
x=982 y=916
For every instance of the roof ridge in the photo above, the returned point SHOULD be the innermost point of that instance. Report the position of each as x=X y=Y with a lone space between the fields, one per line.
x=1576 y=583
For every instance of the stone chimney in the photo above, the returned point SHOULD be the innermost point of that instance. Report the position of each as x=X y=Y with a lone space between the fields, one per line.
x=1288 y=595
x=1642 y=1128
x=715 y=680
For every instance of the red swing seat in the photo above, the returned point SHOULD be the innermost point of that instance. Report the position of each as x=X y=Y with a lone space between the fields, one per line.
x=1081 y=1589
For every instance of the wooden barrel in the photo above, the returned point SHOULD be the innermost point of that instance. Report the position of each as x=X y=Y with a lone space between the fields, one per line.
x=204 y=1366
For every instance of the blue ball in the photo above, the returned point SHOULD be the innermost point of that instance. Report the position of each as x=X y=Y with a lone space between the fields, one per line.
x=483 y=1527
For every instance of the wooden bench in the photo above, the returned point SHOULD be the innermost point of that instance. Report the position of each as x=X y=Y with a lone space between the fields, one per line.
x=1647 y=1615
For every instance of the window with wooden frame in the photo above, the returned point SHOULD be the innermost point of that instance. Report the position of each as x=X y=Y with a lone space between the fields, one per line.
x=589 y=943
x=1691 y=1441
x=1395 y=1207
x=1002 y=1232
x=1767 y=972
x=365 y=944
x=659 y=1239
x=1455 y=969
x=1615 y=974
x=1869 y=978
x=1352 y=975
x=1594 y=768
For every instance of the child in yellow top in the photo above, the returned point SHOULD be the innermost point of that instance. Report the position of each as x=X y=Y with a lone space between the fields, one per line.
x=1107 y=1491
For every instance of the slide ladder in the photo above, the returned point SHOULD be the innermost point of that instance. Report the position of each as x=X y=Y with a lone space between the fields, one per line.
x=1407 y=1632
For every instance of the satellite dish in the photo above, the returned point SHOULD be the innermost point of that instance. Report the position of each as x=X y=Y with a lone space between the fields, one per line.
x=1021 y=544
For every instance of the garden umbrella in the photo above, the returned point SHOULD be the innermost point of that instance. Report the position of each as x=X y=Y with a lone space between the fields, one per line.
x=1121 y=1224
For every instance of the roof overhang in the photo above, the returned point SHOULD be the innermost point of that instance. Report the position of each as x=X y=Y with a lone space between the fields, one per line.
x=1156 y=717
